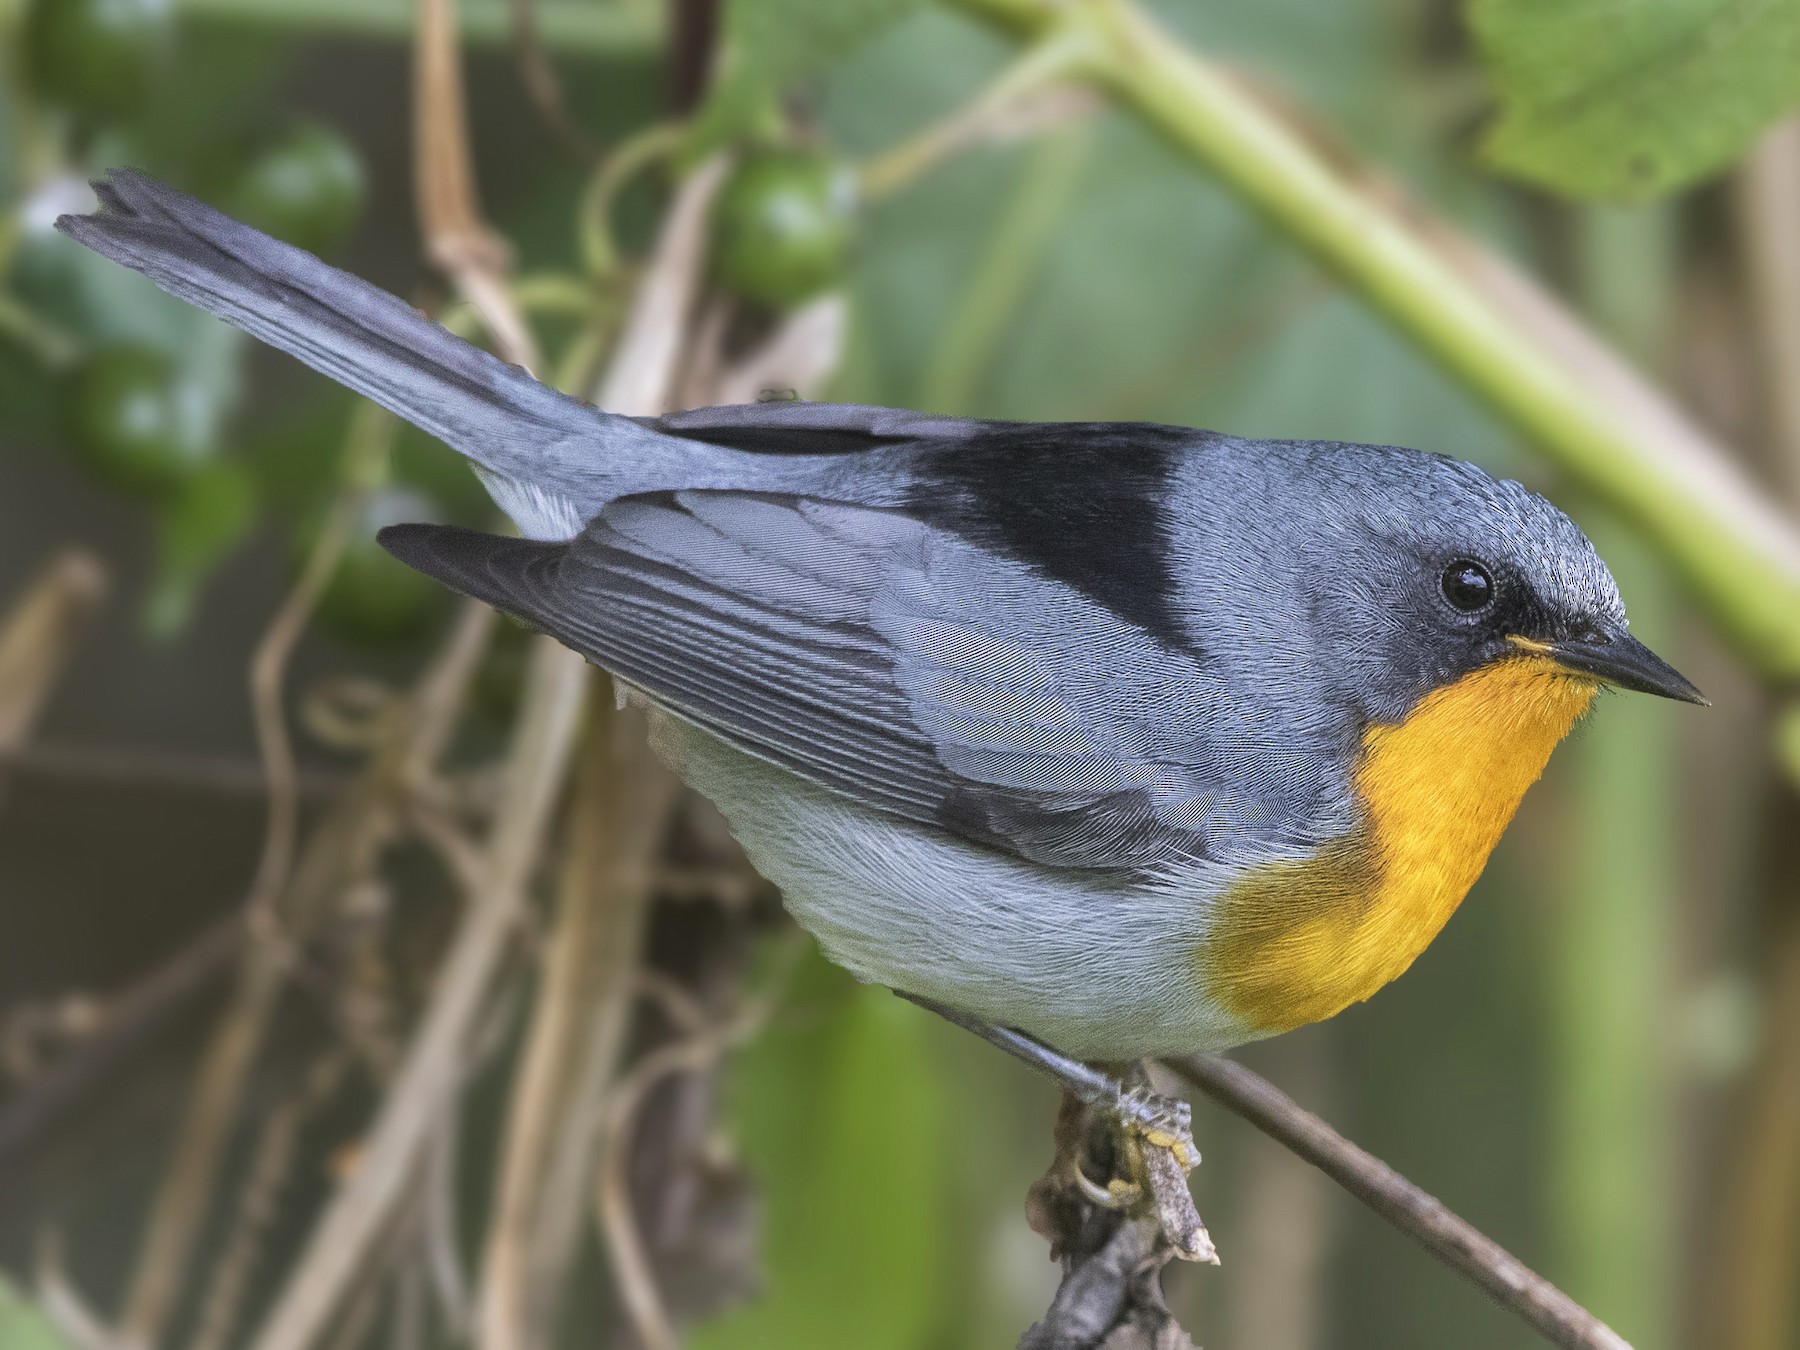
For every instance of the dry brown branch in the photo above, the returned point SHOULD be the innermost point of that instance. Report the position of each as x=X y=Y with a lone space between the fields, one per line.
x=356 y=1219
x=443 y=1240
x=38 y=635
x=800 y=354
x=1115 y=1210
x=632 y=1268
x=365 y=1207
x=1454 y=1241
x=130 y=768
x=340 y=850
x=1768 y=212
x=271 y=1170
x=457 y=238
x=185 y=1194
x=542 y=85
x=131 y=1017
x=614 y=829
x=645 y=373
x=1753 y=1305
x=1111 y=1295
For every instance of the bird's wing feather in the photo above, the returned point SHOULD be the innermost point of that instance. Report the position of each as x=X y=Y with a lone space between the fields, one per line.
x=883 y=658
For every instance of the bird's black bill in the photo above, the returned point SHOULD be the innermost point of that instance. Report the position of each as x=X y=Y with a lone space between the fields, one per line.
x=1627 y=663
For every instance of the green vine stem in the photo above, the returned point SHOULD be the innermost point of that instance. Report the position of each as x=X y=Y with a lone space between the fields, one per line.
x=1724 y=537
x=566 y=27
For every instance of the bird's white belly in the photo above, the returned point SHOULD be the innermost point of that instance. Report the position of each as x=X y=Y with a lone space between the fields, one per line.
x=1096 y=967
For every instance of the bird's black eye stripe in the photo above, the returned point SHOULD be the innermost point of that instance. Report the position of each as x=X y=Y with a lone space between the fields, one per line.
x=1467 y=585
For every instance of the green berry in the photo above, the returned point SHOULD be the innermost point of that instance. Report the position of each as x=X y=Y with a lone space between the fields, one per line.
x=784 y=226
x=134 y=421
x=303 y=184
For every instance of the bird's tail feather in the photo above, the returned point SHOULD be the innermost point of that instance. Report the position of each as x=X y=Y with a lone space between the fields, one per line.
x=341 y=326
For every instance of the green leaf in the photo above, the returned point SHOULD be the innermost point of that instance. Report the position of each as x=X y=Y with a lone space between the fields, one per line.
x=22 y=1325
x=768 y=45
x=1608 y=101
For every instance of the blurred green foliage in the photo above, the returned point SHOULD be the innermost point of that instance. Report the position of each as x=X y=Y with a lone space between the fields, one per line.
x=98 y=58
x=841 y=1113
x=22 y=1326
x=302 y=183
x=766 y=48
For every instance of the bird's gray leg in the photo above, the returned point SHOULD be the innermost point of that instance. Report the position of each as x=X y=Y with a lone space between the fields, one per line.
x=1165 y=1122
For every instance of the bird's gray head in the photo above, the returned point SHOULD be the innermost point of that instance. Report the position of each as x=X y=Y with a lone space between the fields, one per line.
x=1413 y=570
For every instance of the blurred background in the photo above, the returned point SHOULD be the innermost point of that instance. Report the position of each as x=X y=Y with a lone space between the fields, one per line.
x=1595 y=1062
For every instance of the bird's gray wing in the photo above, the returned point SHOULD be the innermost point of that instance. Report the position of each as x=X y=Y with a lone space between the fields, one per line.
x=885 y=659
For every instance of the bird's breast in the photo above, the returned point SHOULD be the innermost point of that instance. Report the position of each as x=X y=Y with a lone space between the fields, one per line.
x=1299 y=941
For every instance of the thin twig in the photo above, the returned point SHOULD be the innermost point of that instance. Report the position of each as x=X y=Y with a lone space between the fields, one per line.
x=185 y=1195
x=1033 y=94
x=457 y=238
x=423 y=1090
x=644 y=376
x=259 y=1199
x=38 y=635
x=442 y=1233
x=1752 y=1301
x=131 y=1018
x=582 y=1011
x=460 y=242
x=577 y=1029
x=1454 y=1241
x=177 y=770
x=632 y=1269
x=542 y=84
x=366 y=447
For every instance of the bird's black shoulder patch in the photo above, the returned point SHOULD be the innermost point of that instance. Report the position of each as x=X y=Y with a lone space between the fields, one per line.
x=1081 y=502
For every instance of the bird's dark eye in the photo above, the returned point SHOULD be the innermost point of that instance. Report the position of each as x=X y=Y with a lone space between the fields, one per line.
x=1467 y=585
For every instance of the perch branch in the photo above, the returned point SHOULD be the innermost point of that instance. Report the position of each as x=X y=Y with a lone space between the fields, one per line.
x=1423 y=1218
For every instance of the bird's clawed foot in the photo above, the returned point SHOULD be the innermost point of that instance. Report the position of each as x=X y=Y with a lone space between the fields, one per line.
x=1126 y=1150
x=1121 y=1149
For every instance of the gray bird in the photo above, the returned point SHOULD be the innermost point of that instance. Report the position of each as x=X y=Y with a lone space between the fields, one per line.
x=1135 y=739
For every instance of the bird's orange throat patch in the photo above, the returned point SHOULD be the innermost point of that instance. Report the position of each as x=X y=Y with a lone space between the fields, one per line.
x=1301 y=941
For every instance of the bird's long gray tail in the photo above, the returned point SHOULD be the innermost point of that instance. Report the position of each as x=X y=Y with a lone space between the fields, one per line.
x=526 y=435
